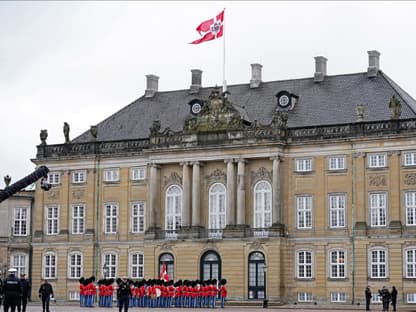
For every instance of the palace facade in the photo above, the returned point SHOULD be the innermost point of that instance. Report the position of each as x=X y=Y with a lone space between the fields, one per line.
x=298 y=190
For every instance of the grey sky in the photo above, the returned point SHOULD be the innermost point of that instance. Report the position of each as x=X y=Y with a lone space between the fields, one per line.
x=81 y=62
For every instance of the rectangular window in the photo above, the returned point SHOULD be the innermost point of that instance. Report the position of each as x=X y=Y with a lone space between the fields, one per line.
x=54 y=178
x=112 y=175
x=52 y=220
x=304 y=165
x=78 y=218
x=138 y=210
x=338 y=297
x=410 y=255
x=19 y=263
x=73 y=296
x=110 y=218
x=138 y=173
x=411 y=298
x=304 y=212
x=410 y=207
x=110 y=265
x=304 y=297
x=304 y=264
x=336 y=163
x=378 y=263
x=337 y=210
x=136 y=265
x=409 y=158
x=337 y=264
x=378 y=209
x=376 y=298
x=49 y=266
x=20 y=223
x=377 y=161
x=79 y=176
x=75 y=265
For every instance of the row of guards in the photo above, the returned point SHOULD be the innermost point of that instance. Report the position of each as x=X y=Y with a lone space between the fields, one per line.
x=155 y=293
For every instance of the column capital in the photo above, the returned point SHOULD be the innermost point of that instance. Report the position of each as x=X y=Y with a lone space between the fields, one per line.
x=241 y=160
x=197 y=163
x=228 y=160
x=185 y=163
x=153 y=165
x=276 y=157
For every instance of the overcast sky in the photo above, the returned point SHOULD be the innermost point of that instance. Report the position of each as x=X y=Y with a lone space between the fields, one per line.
x=80 y=62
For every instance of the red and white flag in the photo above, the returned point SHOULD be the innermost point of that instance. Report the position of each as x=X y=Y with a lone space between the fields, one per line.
x=163 y=273
x=210 y=29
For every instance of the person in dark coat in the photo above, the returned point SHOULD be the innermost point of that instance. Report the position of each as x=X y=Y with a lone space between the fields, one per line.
x=368 y=297
x=394 y=298
x=25 y=285
x=385 y=298
x=12 y=291
x=45 y=293
x=123 y=294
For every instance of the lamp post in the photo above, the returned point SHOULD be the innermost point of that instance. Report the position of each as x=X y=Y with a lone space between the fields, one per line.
x=265 y=300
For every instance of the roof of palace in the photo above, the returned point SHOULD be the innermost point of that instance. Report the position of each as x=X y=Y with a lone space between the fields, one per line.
x=329 y=102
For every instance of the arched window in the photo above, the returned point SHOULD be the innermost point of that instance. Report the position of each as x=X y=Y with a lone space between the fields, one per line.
x=217 y=202
x=262 y=205
x=256 y=276
x=211 y=266
x=75 y=262
x=173 y=208
x=169 y=261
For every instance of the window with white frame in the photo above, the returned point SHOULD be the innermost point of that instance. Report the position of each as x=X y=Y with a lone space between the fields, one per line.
x=73 y=296
x=376 y=298
x=409 y=158
x=337 y=210
x=304 y=212
x=173 y=208
x=75 y=262
x=305 y=297
x=136 y=265
x=217 y=204
x=20 y=222
x=110 y=218
x=338 y=297
x=411 y=297
x=79 y=176
x=138 y=212
x=410 y=262
x=49 y=265
x=336 y=162
x=19 y=262
x=138 y=173
x=78 y=218
x=52 y=220
x=337 y=263
x=410 y=207
x=377 y=160
x=378 y=263
x=54 y=178
x=112 y=175
x=110 y=265
x=262 y=205
x=304 y=264
x=378 y=209
x=303 y=164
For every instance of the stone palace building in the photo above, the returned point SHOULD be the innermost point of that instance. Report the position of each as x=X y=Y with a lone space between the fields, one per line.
x=300 y=190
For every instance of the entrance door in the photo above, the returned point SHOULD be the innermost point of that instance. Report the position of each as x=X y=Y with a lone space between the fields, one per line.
x=256 y=276
x=211 y=266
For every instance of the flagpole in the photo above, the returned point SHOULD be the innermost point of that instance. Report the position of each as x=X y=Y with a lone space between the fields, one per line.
x=224 y=82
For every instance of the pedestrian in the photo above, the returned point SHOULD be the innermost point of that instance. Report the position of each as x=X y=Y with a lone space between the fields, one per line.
x=12 y=291
x=368 y=297
x=123 y=294
x=45 y=294
x=385 y=298
x=394 y=298
x=25 y=285
x=223 y=292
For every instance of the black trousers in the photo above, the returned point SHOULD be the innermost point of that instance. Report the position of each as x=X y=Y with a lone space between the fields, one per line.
x=367 y=304
x=123 y=302
x=10 y=303
x=45 y=304
x=21 y=307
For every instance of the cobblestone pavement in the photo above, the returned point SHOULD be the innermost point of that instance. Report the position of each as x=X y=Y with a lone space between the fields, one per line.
x=33 y=307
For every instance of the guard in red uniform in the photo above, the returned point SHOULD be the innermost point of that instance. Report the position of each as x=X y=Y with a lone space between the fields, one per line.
x=223 y=292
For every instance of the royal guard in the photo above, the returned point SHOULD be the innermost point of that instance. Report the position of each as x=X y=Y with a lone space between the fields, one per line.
x=109 y=292
x=223 y=292
x=81 y=292
x=101 y=292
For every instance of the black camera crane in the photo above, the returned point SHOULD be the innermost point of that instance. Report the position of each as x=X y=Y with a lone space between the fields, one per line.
x=41 y=172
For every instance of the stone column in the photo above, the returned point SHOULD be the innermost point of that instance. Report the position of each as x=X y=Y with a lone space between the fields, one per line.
x=153 y=196
x=196 y=217
x=230 y=192
x=186 y=200
x=241 y=192
x=276 y=218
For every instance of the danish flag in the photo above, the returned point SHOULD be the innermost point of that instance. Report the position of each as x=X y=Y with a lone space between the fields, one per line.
x=210 y=29
x=163 y=273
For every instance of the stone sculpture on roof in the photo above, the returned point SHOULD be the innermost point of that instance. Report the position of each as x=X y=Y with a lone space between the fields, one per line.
x=395 y=107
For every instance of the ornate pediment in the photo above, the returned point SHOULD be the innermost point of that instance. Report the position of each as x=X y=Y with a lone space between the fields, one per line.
x=217 y=114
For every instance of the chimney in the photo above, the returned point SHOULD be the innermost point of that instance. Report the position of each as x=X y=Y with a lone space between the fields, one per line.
x=255 y=75
x=151 y=85
x=320 y=68
x=196 y=81
x=373 y=63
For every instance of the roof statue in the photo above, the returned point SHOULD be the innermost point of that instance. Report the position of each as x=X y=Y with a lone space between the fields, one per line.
x=395 y=107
